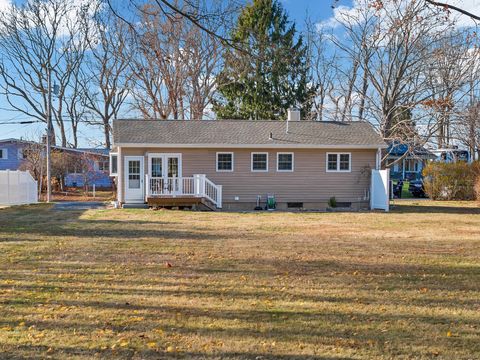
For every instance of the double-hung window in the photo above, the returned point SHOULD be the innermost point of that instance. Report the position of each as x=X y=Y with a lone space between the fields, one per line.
x=3 y=153
x=103 y=165
x=225 y=161
x=260 y=162
x=339 y=162
x=285 y=162
x=411 y=165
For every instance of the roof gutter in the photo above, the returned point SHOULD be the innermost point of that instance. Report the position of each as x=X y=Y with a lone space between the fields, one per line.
x=250 y=146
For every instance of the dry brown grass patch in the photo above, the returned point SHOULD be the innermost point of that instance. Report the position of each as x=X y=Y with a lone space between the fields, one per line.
x=241 y=286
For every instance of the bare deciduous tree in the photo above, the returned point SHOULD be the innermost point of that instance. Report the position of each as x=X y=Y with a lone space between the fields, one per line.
x=106 y=74
x=393 y=44
x=454 y=59
x=38 y=38
x=322 y=67
x=174 y=67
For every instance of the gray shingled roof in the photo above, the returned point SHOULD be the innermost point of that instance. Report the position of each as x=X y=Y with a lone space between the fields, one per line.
x=245 y=132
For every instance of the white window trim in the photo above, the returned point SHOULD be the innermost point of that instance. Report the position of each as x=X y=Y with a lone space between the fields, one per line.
x=216 y=161
x=164 y=155
x=4 y=154
x=103 y=162
x=293 y=161
x=415 y=163
x=251 y=161
x=338 y=162
x=110 y=167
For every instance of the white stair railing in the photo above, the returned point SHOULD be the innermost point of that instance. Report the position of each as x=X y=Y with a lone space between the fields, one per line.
x=197 y=186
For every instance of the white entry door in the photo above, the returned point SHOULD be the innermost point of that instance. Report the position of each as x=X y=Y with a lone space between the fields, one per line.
x=165 y=170
x=134 y=174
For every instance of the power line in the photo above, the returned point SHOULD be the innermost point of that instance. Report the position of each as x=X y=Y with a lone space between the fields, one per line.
x=65 y=119
x=20 y=122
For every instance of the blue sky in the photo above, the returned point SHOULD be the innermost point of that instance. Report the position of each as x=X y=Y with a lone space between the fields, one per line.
x=317 y=10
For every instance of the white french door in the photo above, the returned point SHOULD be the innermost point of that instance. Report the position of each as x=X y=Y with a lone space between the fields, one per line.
x=165 y=172
x=134 y=175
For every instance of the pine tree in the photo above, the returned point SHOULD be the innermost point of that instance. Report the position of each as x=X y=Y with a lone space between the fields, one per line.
x=268 y=73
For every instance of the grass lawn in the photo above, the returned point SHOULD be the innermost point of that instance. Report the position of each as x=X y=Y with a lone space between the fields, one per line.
x=96 y=284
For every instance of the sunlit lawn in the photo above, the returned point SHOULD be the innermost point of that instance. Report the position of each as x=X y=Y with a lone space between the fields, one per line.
x=241 y=286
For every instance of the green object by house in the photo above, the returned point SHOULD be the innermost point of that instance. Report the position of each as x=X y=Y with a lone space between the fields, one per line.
x=271 y=202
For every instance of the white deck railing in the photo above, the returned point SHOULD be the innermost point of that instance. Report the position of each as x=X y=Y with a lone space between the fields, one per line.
x=196 y=186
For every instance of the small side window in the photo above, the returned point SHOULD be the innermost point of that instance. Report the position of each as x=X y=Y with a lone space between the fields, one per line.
x=339 y=162
x=3 y=153
x=113 y=164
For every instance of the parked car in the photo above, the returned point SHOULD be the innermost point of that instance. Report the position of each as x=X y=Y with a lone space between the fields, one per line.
x=417 y=188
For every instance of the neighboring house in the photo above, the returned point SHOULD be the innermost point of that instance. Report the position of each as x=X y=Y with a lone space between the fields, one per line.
x=234 y=164
x=406 y=162
x=451 y=155
x=98 y=175
x=13 y=154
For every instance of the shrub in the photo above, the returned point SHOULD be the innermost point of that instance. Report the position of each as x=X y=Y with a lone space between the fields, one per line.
x=332 y=202
x=451 y=181
x=476 y=188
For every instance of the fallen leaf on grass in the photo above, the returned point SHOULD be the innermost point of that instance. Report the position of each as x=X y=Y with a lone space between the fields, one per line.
x=137 y=318
x=124 y=343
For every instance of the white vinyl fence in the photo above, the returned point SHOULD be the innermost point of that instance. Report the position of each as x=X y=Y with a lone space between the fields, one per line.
x=380 y=189
x=17 y=188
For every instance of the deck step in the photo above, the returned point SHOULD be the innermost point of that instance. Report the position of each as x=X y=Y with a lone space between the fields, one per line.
x=198 y=203
x=208 y=204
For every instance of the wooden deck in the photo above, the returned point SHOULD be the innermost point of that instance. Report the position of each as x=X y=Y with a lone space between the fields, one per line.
x=181 y=202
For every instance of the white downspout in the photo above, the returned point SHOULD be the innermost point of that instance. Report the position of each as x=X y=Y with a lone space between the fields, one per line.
x=378 y=162
x=120 y=176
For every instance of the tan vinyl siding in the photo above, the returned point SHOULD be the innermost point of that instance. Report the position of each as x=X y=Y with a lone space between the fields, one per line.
x=309 y=182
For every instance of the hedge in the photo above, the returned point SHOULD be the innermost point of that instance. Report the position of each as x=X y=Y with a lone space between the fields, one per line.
x=452 y=181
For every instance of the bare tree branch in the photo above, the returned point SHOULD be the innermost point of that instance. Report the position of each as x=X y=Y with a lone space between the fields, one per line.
x=453 y=7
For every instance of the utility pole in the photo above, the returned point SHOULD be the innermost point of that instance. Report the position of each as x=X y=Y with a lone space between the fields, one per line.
x=49 y=132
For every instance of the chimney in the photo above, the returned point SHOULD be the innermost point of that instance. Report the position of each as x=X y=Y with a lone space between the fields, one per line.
x=293 y=115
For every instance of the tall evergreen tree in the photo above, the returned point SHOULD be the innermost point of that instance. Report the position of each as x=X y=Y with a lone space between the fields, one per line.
x=269 y=72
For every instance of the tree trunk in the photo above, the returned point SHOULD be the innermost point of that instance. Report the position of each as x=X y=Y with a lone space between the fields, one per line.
x=363 y=95
x=348 y=99
x=106 y=132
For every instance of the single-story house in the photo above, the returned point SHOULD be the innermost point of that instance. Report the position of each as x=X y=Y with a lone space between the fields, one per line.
x=406 y=161
x=239 y=165
x=13 y=154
